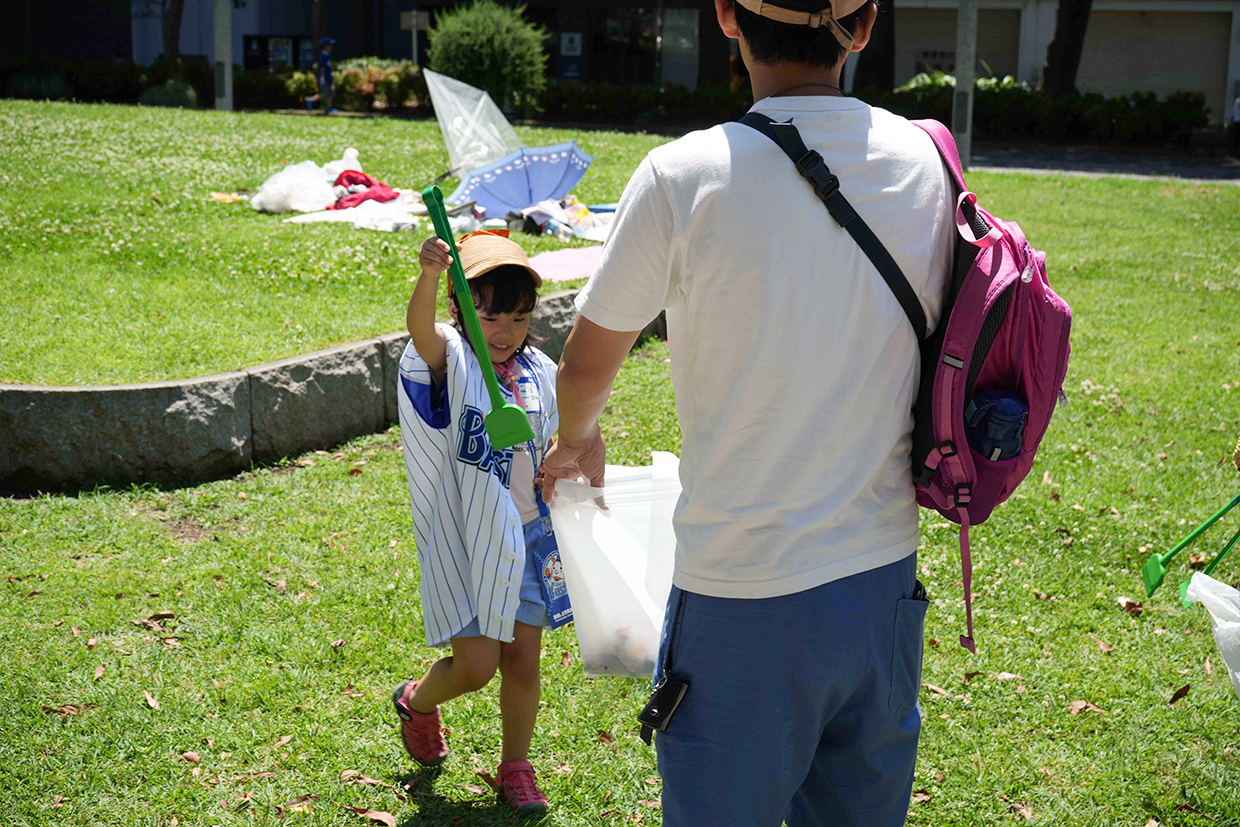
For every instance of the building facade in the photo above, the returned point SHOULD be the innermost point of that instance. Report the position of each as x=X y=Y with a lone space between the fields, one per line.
x=1159 y=46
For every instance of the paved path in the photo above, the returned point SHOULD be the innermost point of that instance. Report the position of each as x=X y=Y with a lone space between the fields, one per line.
x=1095 y=162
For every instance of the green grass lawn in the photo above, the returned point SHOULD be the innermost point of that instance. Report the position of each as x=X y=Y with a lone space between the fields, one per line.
x=289 y=595
x=112 y=247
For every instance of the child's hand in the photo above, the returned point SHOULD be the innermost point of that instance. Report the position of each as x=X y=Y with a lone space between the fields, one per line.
x=435 y=256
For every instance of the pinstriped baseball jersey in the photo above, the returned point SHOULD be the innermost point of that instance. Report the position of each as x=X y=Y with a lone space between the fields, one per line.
x=471 y=548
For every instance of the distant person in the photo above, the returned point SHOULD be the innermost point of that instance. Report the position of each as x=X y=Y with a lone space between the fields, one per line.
x=326 y=89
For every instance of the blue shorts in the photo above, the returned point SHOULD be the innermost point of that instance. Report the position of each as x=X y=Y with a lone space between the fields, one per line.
x=801 y=707
x=531 y=610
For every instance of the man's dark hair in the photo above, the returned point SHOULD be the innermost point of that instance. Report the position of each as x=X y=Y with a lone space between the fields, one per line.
x=508 y=288
x=772 y=42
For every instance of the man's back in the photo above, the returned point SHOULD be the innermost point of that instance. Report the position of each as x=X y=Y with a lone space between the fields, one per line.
x=794 y=365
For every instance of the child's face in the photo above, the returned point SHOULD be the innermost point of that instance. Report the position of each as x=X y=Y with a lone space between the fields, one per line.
x=504 y=333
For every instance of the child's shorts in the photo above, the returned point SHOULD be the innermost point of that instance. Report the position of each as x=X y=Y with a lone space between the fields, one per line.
x=531 y=610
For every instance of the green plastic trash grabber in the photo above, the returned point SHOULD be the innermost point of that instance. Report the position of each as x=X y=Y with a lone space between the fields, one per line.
x=1156 y=567
x=1210 y=568
x=506 y=424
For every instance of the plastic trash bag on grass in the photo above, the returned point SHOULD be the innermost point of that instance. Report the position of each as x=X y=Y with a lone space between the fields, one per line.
x=302 y=187
x=618 y=549
x=1223 y=604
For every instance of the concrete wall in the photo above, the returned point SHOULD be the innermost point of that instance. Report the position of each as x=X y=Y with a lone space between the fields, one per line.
x=74 y=438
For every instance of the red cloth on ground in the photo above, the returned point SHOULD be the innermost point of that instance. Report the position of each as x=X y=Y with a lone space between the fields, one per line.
x=377 y=190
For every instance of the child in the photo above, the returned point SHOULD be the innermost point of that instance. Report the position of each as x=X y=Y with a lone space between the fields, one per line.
x=326 y=89
x=475 y=509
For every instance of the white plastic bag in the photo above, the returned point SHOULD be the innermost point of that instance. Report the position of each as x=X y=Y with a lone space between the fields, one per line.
x=1223 y=604
x=332 y=169
x=301 y=187
x=618 y=558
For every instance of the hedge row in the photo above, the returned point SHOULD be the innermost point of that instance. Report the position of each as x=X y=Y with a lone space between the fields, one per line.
x=1003 y=108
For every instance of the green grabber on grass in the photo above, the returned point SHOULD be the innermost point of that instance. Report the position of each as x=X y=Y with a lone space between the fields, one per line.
x=506 y=424
x=1210 y=568
x=1156 y=567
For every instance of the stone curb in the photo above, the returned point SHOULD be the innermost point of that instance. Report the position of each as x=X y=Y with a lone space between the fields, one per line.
x=56 y=439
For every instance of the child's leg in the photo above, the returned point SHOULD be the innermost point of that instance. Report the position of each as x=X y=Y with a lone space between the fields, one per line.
x=519 y=689
x=471 y=667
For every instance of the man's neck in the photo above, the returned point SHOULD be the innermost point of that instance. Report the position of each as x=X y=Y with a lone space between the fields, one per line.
x=781 y=78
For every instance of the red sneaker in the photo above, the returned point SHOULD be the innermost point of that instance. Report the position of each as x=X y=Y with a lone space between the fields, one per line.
x=421 y=732
x=522 y=794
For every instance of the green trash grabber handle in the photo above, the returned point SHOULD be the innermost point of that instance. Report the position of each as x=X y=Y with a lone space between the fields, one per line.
x=506 y=424
x=1210 y=568
x=1155 y=567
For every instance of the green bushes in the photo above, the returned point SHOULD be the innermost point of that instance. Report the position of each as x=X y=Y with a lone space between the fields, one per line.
x=1010 y=110
x=172 y=92
x=39 y=86
x=641 y=105
x=370 y=82
x=494 y=48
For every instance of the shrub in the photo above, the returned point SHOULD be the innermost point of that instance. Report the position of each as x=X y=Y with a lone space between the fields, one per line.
x=494 y=48
x=172 y=92
x=641 y=104
x=45 y=85
x=260 y=89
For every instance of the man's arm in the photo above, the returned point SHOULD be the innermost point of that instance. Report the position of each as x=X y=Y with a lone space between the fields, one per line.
x=592 y=357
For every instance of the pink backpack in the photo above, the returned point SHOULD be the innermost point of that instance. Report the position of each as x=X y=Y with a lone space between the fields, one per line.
x=1003 y=332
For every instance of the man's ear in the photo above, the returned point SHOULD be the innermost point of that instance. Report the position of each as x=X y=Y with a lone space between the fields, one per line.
x=725 y=13
x=865 y=26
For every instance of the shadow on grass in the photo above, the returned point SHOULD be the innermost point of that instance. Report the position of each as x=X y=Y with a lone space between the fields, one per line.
x=436 y=811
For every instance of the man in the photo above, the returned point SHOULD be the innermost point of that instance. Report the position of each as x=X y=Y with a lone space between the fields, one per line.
x=795 y=617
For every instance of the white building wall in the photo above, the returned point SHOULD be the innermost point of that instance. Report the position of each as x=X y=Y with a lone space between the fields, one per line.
x=197 y=30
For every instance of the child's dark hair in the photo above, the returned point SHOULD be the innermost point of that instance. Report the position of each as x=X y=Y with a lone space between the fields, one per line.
x=772 y=42
x=508 y=288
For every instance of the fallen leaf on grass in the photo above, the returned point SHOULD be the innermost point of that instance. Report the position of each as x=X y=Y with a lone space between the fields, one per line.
x=150 y=699
x=938 y=690
x=1007 y=676
x=163 y=615
x=191 y=757
x=1191 y=809
x=1078 y=707
x=58 y=802
x=566 y=659
x=604 y=737
x=475 y=789
x=564 y=769
x=336 y=644
x=76 y=631
x=1196 y=560
x=150 y=626
x=34 y=593
x=355 y=471
x=92 y=643
x=351 y=692
x=638 y=818
x=1025 y=811
x=1102 y=644
x=654 y=805
x=373 y=815
x=347 y=774
x=99 y=670
x=921 y=796
x=490 y=780
x=1209 y=668
x=1151 y=823
x=300 y=804
x=1047 y=773
x=969 y=676
x=282 y=741
x=1133 y=607
x=67 y=709
x=1179 y=693
x=1041 y=596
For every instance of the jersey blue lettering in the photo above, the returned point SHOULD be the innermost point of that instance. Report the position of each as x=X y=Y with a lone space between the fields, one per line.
x=475 y=448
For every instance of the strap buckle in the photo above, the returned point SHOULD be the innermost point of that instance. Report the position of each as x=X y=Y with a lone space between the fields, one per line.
x=964 y=494
x=814 y=169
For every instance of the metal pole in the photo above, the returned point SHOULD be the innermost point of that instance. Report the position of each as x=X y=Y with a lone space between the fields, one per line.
x=966 y=59
x=223 y=56
x=415 y=33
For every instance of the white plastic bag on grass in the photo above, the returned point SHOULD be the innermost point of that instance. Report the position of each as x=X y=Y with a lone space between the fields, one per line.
x=1223 y=604
x=301 y=187
x=618 y=558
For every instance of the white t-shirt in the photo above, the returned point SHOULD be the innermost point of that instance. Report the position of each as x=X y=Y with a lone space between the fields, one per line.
x=794 y=365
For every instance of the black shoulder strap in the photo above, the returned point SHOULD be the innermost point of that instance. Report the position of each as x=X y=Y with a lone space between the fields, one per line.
x=827 y=187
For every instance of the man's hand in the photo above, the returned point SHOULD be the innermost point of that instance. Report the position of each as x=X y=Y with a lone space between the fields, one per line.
x=570 y=462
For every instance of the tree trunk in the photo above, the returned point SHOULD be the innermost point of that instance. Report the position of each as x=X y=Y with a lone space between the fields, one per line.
x=172 y=29
x=1063 y=55
x=876 y=65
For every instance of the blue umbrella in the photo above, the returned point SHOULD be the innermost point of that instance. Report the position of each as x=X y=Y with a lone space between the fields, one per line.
x=523 y=178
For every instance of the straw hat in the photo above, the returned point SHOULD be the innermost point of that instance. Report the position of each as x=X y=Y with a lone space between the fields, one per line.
x=483 y=251
x=828 y=16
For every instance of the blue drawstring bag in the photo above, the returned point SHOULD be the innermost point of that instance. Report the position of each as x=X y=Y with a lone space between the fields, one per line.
x=551 y=570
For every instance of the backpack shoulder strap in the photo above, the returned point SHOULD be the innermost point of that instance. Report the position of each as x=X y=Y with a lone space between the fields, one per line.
x=946 y=146
x=827 y=187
